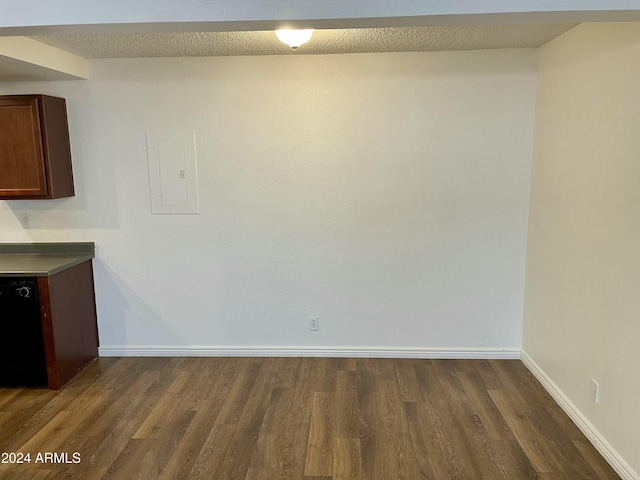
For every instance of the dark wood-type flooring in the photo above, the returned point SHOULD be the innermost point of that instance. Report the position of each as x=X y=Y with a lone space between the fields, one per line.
x=295 y=418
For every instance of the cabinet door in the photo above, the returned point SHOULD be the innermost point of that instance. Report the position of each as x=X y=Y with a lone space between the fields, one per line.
x=22 y=166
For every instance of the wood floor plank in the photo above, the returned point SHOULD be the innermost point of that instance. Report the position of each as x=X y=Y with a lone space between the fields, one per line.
x=161 y=447
x=389 y=398
x=326 y=374
x=107 y=435
x=293 y=437
x=213 y=452
x=425 y=439
x=8 y=395
x=372 y=448
x=488 y=375
x=191 y=444
x=347 y=459
x=483 y=406
x=518 y=398
x=285 y=371
x=297 y=419
x=130 y=401
x=165 y=407
x=319 y=460
x=26 y=416
x=349 y=364
x=35 y=475
x=535 y=447
x=514 y=460
x=569 y=428
x=244 y=439
x=429 y=383
x=128 y=463
x=573 y=462
x=50 y=437
x=237 y=396
x=448 y=372
x=5 y=419
x=284 y=374
x=602 y=469
x=410 y=390
x=266 y=457
x=554 y=476
x=262 y=474
x=483 y=455
x=397 y=433
x=367 y=385
x=347 y=422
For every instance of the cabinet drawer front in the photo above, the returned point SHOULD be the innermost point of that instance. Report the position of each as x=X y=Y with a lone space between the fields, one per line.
x=22 y=169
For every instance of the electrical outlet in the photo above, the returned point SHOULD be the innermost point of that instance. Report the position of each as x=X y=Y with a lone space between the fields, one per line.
x=595 y=391
x=25 y=219
x=314 y=324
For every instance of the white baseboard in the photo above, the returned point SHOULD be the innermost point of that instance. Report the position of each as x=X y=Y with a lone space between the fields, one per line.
x=302 y=351
x=606 y=450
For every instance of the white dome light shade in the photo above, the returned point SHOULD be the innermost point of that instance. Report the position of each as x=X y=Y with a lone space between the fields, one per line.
x=294 y=38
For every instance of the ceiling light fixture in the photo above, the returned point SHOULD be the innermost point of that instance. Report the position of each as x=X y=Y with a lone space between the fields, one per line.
x=294 y=38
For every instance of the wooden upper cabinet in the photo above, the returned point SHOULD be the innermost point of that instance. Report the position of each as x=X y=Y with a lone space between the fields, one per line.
x=35 y=155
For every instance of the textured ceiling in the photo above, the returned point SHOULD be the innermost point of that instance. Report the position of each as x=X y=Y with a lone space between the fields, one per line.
x=366 y=40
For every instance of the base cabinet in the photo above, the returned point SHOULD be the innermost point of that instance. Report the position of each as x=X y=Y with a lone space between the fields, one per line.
x=69 y=322
x=53 y=335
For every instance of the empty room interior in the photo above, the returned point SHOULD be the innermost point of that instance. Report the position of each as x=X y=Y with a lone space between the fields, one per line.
x=407 y=248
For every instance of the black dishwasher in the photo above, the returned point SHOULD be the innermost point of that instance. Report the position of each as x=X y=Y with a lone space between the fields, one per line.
x=22 y=356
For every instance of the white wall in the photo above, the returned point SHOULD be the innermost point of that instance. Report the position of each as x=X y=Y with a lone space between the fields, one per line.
x=582 y=306
x=385 y=193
